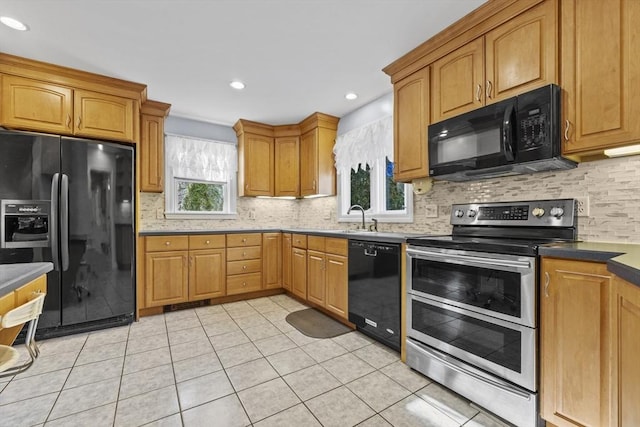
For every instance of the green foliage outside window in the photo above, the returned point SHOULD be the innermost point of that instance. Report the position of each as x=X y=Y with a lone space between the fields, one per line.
x=361 y=187
x=200 y=197
x=395 y=190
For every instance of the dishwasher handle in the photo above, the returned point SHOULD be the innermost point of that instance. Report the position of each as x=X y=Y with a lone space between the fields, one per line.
x=370 y=252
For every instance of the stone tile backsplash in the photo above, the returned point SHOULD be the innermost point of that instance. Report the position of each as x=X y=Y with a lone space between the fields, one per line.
x=612 y=186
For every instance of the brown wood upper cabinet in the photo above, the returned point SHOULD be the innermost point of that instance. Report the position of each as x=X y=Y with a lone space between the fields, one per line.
x=600 y=75
x=515 y=57
x=411 y=112
x=287 y=160
x=317 y=170
x=152 y=146
x=42 y=106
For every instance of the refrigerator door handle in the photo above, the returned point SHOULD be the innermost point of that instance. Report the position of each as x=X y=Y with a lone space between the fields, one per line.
x=53 y=223
x=64 y=221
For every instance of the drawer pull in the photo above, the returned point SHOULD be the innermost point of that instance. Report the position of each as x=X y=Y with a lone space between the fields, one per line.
x=547 y=279
x=68 y=120
x=479 y=93
x=567 y=125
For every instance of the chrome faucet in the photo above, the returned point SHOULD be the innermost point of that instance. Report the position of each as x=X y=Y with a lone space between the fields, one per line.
x=361 y=210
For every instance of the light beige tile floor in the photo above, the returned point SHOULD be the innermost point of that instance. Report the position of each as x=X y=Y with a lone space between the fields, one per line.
x=237 y=364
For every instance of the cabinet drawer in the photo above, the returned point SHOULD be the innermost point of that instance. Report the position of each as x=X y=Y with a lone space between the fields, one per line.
x=207 y=241
x=336 y=246
x=166 y=243
x=238 y=240
x=241 y=283
x=315 y=243
x=241 y=267
x=299 y=241
x=250 y=252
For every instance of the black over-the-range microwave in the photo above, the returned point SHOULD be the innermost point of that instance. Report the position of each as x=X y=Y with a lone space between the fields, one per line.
x=519 y=135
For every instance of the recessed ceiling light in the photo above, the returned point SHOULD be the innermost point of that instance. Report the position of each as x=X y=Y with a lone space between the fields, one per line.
x=237 y=84
x=13 y=23
x=351 y=96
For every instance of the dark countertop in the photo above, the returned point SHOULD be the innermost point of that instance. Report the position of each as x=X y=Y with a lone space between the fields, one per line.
x=345 y=233
x=623 y=259
x=13 y=276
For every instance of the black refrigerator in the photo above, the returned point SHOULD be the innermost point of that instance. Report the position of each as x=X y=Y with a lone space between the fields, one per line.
x=70 y=201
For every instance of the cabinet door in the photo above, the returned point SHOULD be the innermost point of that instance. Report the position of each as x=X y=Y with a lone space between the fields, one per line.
x=337 y=292
x=258 y=152
x=626 y=348
x=316 y=262
x=299 y=272
x=272 y=260
x=287 y=166
x=207 y=275
x=152 y=153
x=600 y=74
x=309 y=163
x=521 y=54
x=104 y=116
x=411 y=118
x=166 y=278
x=575 y=372
x=286 y=261
x=34 y=105
x=458 y=81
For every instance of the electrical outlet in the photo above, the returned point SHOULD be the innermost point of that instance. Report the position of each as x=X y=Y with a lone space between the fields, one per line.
x=431 y=211
x=252 y=214
x=159 y=213
x=583 y=206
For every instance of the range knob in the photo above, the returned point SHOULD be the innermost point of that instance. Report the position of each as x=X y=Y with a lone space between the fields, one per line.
x=557 y=212
x=459 y=213
x=537 y=212
x=471 y=213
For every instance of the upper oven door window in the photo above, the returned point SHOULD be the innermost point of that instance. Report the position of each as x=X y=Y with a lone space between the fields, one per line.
x=497 y=285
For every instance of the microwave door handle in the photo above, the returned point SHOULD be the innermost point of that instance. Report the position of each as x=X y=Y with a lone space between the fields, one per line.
x=53 y=221
x=507 y=133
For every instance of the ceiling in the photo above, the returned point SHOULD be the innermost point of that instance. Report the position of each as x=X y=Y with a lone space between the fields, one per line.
x=295 y=56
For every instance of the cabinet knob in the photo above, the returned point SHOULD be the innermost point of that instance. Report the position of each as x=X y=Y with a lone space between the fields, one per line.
x=207 y=242
x=244 y=240
x=244 y=267
x=244 y=283
x=244 y=254
x=167 y=243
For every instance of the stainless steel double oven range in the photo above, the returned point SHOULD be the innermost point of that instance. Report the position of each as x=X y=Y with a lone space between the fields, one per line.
x=472 y=302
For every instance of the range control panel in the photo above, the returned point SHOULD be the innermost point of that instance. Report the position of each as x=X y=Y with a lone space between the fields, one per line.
x=535 y=213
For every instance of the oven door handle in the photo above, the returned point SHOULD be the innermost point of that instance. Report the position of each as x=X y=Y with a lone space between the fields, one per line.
x=485 y=379
x=470 y=260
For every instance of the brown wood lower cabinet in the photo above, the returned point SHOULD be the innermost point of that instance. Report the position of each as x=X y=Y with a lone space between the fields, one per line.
x=590 y=324
x=244 y=263
x=327 y=273
x=299 y=272
x=272 y=260
x=183 y=268
x=15 y=299
x=286 y=261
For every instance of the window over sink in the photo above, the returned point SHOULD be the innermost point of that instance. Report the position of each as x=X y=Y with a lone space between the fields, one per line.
x=364 y=161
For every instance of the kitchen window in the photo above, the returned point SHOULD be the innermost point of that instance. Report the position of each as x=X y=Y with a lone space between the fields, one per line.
x=364 y=161
x=201 y=178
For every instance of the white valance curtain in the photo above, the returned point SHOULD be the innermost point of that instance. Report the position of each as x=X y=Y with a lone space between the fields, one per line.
x=364 y=145
x=200 y=159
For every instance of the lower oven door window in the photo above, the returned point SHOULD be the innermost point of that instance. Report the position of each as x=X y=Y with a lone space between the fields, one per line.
x=498 y=285
x=505 y=349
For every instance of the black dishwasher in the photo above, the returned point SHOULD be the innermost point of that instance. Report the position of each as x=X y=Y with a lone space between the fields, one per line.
x=374 y=290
